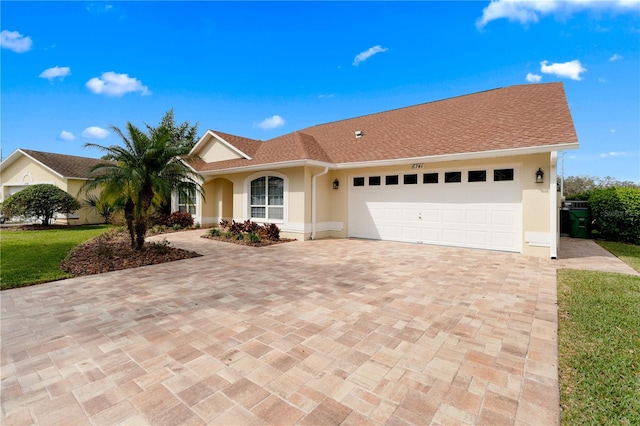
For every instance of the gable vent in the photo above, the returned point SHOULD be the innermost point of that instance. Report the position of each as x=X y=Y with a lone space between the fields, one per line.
x=358 y=133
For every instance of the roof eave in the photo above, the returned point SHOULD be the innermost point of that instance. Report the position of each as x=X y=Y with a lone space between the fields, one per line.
x=268 y=166
x=510 y=152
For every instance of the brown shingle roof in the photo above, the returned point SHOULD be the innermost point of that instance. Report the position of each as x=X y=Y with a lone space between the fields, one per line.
x=523 y=116
x=69 y=166
x=246 y=145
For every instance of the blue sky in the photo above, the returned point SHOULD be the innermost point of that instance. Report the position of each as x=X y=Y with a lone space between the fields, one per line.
x=70 y=70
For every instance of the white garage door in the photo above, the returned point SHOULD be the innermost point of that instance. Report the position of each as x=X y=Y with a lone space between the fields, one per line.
x=478 y=208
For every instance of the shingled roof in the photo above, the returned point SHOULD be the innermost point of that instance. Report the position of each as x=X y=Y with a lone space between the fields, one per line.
x=67 y=166
x=522 y=116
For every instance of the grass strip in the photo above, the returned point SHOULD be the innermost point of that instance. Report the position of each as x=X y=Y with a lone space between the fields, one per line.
x=34 y=256
x=599 y=347
x=628 y=253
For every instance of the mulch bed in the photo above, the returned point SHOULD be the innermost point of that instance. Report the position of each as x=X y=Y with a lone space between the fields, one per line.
x=112 y=252
x=262 y=243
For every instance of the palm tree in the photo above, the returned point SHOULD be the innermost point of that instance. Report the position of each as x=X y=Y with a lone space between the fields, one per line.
x=142 y=174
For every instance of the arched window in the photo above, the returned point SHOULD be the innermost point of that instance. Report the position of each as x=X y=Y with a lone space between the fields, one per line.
x=267 y=198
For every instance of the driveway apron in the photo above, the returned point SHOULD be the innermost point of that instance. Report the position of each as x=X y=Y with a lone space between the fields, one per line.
x=317 y=332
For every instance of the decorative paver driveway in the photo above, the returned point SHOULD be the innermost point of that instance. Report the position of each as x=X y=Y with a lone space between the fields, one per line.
x=322 y=332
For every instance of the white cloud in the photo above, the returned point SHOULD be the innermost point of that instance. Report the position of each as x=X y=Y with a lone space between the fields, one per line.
x=615 y=57
x=534 y=78
x=95 y=132
x=99 y=7
x=570 y=69
x=331 y=95
x=55 y=72
x=612 y=154
x=526 y=11
x=15 y=41
x=270 y=123
x=114 y=84
x=363 y=56
x=66 y=136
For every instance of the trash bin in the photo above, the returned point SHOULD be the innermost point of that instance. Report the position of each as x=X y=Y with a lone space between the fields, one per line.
x=578 y=220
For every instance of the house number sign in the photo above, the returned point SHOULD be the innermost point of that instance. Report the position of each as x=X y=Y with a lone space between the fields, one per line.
x=417 y=166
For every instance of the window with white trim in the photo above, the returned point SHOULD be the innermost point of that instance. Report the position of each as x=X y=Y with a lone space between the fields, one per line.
x=267 y=198
x=187 y=200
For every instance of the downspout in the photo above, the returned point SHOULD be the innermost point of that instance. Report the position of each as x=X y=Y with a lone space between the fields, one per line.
x=313 y=201
x=553 y=205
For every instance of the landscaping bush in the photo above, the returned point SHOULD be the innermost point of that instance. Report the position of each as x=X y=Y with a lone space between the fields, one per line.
x=616 y=214
x=248 y=230
x=270 y=231
x=214 y=232
x=42 y=201
x=178 y=220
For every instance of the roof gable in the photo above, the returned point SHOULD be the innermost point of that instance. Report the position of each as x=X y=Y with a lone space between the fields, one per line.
x=218 y=146
x=64 y=166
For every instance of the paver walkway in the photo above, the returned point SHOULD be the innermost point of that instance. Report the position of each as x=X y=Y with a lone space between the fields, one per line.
x=322 y=332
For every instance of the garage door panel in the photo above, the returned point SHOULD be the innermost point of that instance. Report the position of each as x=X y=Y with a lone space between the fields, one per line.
x=503 y=217
x=477 y=238
x=453 y=216
x=430 y=235
x=479 y=214
x=392 y=213
x=452 y=237
x=477 y=217
x=430 y=215
x=410 y=214
x=504 y=240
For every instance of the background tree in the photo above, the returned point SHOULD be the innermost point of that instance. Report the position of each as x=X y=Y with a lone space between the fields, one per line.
x=142 y=175
x=42 y=201
x=183 y=135
x=579 y=187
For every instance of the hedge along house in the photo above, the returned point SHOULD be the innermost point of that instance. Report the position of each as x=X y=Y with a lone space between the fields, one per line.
x=25 y=167
x=475 y=171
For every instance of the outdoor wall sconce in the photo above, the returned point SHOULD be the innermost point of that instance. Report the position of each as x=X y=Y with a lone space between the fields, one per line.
x=539 y=176
x=336 y=184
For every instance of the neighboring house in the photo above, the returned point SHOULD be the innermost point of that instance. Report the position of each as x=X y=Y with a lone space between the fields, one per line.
x=26 y=167
x=462 y=172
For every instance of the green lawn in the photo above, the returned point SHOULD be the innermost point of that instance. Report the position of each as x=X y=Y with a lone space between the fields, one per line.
x=32 y=257
x=628 y=253
x=599 y=347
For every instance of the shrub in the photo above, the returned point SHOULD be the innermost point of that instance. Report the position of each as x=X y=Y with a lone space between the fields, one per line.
x=246 y=230
x=160 y=247
x=272 y=232
x=180 y=219
x=42 y=201
x=236 y=228
x=616 y=214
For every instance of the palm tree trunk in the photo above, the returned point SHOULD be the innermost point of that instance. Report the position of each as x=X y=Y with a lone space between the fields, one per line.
x=141 y=231
x=128 y=215
x=143 y=216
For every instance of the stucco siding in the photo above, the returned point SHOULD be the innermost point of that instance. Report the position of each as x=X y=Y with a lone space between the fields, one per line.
x=25 y=171
x=217 y=151
x=332 y=205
